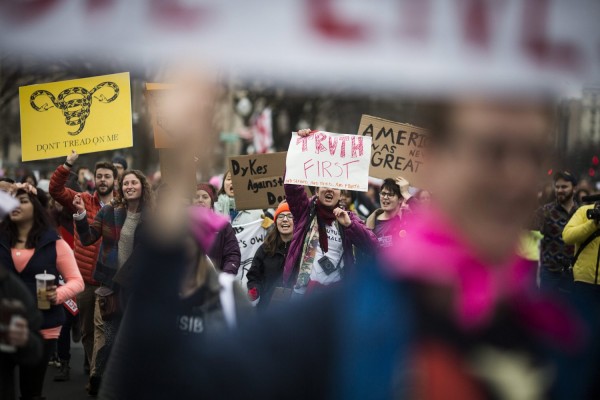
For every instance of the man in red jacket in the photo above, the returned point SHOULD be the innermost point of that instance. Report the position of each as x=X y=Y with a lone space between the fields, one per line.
x=92 y=331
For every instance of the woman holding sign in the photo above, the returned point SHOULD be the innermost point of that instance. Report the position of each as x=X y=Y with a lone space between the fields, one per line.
x=31 y=248
x=325 y=237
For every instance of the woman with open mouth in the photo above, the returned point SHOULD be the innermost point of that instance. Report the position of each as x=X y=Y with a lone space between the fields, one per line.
x=326 y=240
x=119 y=225
x=225 y=205
x=264 y=276
x=389 y=222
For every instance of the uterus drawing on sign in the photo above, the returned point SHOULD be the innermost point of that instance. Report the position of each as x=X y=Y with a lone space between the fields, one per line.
x=76 y=102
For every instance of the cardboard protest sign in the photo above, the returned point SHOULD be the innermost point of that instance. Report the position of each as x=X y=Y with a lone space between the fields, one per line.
x=397 y=149
x=250 y=236
x=156 y=96
x=86 y=115
x=258 y=180
x=327 y=159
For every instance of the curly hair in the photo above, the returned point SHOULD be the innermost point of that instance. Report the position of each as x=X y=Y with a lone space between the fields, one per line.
x=147 y=198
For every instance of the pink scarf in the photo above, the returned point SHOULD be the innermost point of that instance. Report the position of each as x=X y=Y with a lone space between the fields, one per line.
x=434 y=252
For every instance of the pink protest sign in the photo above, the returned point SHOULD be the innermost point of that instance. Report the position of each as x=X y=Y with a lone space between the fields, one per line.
x=327 y=159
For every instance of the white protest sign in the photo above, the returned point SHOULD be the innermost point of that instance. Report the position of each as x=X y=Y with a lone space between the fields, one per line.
x=326 y=159
x=430 y=46
x=250 y=236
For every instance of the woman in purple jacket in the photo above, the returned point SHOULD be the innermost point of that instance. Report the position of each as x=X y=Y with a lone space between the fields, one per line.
x=225 y=252
x=325 y=238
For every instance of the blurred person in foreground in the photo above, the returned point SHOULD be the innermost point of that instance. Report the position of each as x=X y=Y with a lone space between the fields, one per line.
x=449 y=313
x=550 y=220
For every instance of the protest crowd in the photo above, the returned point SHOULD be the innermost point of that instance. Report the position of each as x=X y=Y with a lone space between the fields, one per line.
x=452 y=252
x=399 y=267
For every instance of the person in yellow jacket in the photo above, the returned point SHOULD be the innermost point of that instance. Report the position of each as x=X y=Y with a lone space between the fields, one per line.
x=585 y=271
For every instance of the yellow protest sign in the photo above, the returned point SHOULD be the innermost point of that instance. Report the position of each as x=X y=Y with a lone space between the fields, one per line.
x=86 y=115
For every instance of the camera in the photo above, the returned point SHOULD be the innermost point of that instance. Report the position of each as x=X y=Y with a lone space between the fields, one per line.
x=593 y=213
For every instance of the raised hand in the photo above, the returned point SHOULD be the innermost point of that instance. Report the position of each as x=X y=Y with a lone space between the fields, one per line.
x=78 y=203
x=305 y=132
x=404 y=185
x=342 y=217
x=72 y=158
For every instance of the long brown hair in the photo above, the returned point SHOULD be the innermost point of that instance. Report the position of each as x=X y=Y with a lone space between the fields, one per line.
x=272 y=240
x=147 y=198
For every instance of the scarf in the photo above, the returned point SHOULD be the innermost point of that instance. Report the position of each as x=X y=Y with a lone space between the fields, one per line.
x=306 y=264
x=435 y=253
x=324 y=217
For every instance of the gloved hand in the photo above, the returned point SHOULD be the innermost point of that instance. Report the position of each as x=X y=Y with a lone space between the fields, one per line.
x=253 y=294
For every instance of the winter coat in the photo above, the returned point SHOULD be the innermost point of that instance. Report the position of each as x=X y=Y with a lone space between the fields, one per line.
x=12 y=288
x=577 y=230
x=266 y=272
x=225 y=252
x=43 y=259
x=304 y=210
x=86 y=255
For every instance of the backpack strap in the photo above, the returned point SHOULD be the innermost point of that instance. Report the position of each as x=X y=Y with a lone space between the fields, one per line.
x=589 y=240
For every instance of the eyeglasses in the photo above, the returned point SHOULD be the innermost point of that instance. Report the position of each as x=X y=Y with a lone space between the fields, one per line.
x=281 y=217
x=388 y=195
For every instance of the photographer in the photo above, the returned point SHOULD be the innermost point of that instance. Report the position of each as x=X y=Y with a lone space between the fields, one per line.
x=583 y=231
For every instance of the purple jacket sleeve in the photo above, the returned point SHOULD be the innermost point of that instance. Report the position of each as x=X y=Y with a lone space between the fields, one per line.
x=231 y=260
x=298 y=201
x=359 y=235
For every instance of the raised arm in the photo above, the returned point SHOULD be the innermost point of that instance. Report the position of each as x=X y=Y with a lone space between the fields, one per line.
x=295 y=194
x=58 y=190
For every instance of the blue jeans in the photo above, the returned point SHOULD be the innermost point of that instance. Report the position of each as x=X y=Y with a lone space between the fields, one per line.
x=554 y=282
